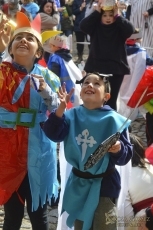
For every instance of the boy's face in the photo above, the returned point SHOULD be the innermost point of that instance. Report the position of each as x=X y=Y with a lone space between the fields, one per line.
x=93 y=92
x=107 y=17
x=54 y=48
x=24 y=45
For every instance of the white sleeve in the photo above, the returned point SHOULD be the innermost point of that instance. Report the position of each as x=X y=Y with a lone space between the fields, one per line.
x=131 y=221
x=50 y=98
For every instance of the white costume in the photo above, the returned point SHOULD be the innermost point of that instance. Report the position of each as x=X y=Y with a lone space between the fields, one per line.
x=138 y=7
x=140 y=188
x=137 y=64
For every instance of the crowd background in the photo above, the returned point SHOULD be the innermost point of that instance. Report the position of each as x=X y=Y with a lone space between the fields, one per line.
x=67 y=19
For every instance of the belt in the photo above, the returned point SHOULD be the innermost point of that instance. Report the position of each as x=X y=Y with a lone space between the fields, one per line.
x=24 y=117
x=88 y=175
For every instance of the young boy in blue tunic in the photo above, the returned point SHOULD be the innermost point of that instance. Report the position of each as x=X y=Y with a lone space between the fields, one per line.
x=90 y=195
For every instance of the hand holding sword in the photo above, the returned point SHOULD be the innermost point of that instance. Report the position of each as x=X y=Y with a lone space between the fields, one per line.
x=108 y=144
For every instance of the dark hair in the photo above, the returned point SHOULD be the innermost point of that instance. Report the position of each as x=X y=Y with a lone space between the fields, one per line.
x=138 y=158
x=41 y=9
x=104 y=78
x=103 y=11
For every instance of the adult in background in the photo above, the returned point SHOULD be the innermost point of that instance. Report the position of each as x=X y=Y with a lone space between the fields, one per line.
x=12 y=7
x=140 y=12
x=79 y=9
x=30 y=7
x=49 y=20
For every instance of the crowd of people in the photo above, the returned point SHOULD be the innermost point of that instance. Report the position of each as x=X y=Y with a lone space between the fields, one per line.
x=100 y=177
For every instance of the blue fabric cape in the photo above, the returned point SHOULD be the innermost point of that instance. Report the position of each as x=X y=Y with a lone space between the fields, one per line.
x=88 y=128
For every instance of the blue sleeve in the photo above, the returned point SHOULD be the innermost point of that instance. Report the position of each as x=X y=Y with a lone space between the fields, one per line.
x=58 y=4
x=125 y=154
x=56 y=128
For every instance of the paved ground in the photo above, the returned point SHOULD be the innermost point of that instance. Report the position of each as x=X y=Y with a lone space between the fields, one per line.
x=52 y=213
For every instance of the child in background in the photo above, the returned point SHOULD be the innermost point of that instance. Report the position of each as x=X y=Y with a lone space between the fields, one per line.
x=91 y=194
x=62 y=65
x=108 y=32
x=139 y=201
x=67 y=18
x=28 y=157
x=138 y=59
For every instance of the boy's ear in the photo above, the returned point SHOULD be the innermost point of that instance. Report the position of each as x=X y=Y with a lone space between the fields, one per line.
x=10 y=51
x=107 y=96
x=38 y=54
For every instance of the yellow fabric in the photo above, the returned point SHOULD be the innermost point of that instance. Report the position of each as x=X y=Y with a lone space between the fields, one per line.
x=149 y=107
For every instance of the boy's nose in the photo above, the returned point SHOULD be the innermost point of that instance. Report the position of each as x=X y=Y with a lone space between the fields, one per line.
x=23 y=40
x=90 y=85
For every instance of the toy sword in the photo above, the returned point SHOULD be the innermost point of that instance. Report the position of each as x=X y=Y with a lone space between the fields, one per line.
x=107 y=144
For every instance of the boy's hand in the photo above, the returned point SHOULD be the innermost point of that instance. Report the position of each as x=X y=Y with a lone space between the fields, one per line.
x=116 y=9
x=55 y=7
x=42 y=83
x=146 y=14
x=64 y=99
x=64 y=96
x=99 y=5
x=5 y=33
x=83 y=5
x=115 y=148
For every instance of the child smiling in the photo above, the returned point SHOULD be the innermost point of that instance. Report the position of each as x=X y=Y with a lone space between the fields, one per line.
x=91 y=194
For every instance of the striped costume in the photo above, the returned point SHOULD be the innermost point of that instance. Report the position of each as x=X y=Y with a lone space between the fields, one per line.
x=138 y=7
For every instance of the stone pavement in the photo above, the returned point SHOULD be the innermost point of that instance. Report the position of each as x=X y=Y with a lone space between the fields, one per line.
x=52 y=213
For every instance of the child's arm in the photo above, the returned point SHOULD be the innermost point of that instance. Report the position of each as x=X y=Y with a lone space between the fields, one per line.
x=64 y=99
x=50 y=21
x=50 y=97
x=56 y=127
x=54 y=67
x=88 y=24
x=148 y=12
x=126 y=27
x=115 y=148
x=77 y=8
x=121 y=153
x=5 y=33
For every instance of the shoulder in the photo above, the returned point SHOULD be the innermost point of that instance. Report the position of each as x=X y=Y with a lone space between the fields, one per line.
x=44 y=15
x=54 y=58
